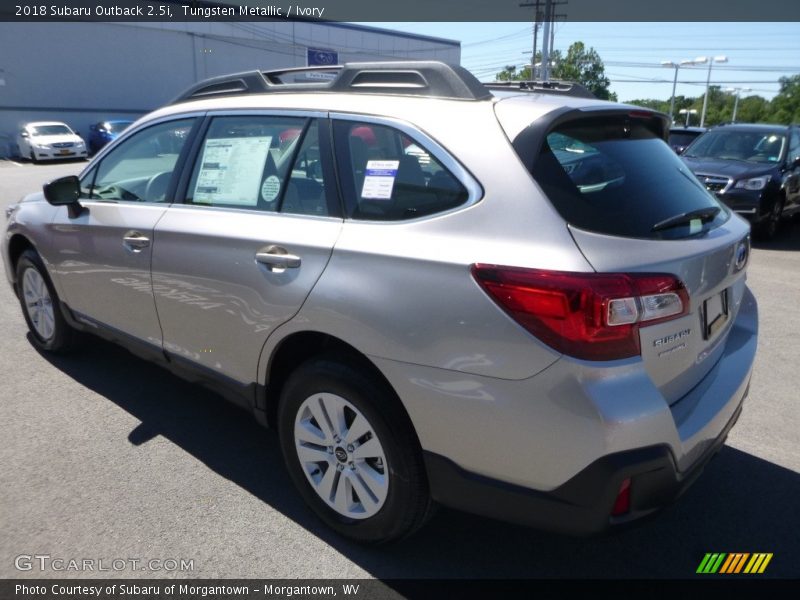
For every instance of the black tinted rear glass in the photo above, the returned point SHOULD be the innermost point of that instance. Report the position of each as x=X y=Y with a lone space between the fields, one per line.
x=613 y=175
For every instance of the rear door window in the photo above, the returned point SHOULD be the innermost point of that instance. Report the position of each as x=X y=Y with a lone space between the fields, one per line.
x=615 y=176
x=387 y=176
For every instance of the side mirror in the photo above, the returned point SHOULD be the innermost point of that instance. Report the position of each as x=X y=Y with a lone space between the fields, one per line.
x=65 y=191
x=23 y=134
x=796 y=162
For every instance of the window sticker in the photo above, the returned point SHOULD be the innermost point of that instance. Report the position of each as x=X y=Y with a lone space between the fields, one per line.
x=270 y=188
x=379 y=179
x=231 y=169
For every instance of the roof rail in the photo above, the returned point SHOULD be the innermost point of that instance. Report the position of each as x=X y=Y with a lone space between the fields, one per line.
x=408 y=78
x=565 y=88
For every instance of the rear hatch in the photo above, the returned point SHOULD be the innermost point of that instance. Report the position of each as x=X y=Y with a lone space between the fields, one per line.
x=633 y=207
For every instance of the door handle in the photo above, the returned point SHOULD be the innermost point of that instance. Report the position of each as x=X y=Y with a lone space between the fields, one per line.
x=135 y=241
x=277 y=257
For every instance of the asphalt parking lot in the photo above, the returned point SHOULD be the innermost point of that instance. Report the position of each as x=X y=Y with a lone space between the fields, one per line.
x=105 y=456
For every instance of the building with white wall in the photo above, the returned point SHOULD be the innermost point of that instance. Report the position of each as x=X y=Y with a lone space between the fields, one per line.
x=83 y=72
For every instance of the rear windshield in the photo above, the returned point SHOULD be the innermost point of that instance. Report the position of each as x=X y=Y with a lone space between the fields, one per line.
x=615 y=176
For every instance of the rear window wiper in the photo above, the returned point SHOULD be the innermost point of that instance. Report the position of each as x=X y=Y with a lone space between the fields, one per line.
x=704 y=214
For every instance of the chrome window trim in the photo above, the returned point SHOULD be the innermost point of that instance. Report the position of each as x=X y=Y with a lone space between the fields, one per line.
x=267 y=112
x=253 y=211
x=429 y=144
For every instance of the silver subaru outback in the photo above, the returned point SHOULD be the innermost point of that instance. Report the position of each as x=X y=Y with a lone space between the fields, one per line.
x=516 y=302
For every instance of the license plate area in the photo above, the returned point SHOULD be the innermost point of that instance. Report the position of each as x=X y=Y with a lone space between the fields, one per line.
x=715 y=314
x=64 y=151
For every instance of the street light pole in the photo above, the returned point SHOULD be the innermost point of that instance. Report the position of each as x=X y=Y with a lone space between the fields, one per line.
x=711 y=60
x=676 y=66
x=736 y=99
x=688 y=112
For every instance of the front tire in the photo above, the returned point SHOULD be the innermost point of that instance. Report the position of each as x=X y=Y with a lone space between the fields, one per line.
x=769 y=228
x=41 y=306
x=352 y=453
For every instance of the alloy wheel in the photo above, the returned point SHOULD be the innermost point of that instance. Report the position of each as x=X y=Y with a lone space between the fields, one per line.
x=38 y=304
x=341 y=455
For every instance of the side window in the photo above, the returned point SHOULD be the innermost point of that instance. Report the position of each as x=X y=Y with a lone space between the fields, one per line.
x=794 y=144
x=247 y=162
x=140 y=169
x=387 y=176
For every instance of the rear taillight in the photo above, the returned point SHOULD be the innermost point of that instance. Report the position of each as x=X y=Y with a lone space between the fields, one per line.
x=622 y=504
x=593 y=316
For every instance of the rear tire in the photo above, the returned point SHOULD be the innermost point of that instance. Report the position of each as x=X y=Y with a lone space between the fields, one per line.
x=41 y=306
x=352 y=453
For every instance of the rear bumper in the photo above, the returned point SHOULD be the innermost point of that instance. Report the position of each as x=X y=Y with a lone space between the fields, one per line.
x=552 y=451
x=583 y=504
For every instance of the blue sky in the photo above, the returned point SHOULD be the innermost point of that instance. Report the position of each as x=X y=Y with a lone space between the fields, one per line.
x=758 y=53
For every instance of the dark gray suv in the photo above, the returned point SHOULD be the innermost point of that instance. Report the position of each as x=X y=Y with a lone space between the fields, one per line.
x=753 y=169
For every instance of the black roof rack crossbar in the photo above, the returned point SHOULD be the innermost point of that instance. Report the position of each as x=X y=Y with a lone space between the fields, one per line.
x=408 y=78
x=565 y=88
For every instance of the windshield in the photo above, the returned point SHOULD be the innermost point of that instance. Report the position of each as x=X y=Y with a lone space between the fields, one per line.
x=683 y=138
x=615 y=176
x=50 y=130
x=748 y=146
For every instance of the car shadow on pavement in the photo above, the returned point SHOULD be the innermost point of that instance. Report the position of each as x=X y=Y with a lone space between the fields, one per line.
x=742 y=503
x=787 y=237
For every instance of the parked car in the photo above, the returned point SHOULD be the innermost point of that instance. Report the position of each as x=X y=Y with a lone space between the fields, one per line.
x=103 y=132
x=753 y=169
x=680 y=137
x=493 y=330
x=49 y=140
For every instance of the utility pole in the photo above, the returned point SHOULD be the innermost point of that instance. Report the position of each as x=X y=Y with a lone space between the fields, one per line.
x=546 y=41
x=548 y=35
x=537 y=19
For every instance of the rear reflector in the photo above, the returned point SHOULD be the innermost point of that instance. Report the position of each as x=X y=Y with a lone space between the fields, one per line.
x=622 y=504
x=593 y=316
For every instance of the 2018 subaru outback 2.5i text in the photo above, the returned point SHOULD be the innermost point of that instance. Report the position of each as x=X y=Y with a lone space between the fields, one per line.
x=518 y=303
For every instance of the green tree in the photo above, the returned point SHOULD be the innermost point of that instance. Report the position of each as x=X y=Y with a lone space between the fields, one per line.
x=653 y=104
x=579 y=65
x=752 y=109
x=584 y=66
x=785 y=107
x=513 y=73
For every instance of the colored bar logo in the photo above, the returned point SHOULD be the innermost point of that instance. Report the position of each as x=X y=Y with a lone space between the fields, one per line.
x=734 y=563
